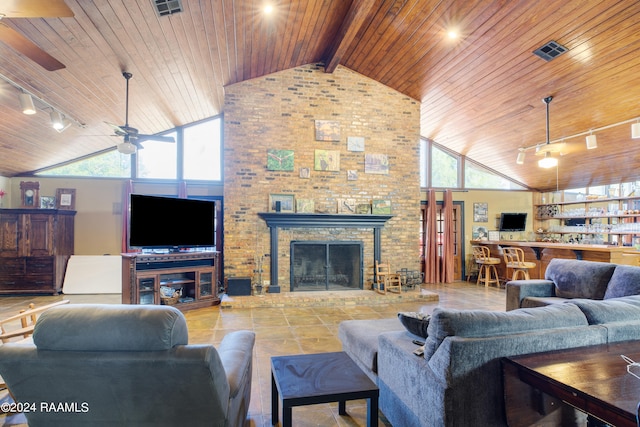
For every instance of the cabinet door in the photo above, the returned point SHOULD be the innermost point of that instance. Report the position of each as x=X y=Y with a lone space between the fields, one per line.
x=205 y=287
x=11 y=231
x=39 y=241
x=147 y=289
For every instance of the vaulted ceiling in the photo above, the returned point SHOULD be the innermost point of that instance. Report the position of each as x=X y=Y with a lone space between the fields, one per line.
x=481 y=93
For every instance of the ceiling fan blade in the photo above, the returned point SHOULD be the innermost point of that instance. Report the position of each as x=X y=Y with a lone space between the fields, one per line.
x=29 y=49
x=160 y=138
x=35 y=9
x=117 y=129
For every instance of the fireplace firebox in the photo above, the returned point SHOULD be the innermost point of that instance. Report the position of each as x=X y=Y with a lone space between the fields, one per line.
x=326 y=265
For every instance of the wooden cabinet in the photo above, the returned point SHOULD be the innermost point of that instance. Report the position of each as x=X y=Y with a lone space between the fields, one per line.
x=35 y=245
x=193 y=274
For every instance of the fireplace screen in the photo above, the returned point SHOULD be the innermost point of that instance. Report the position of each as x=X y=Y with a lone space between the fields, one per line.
x=320 y=266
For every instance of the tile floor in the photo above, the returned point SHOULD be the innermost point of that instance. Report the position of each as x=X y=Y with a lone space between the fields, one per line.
x=294 y=330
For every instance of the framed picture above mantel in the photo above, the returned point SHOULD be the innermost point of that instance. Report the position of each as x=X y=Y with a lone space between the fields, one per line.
x=66 y=198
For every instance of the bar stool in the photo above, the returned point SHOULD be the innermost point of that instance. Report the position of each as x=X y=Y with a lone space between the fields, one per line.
x=487 y=266
x=514 y=258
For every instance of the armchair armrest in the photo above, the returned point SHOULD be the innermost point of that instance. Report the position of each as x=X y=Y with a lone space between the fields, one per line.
x=517 y=290
x=236 y=353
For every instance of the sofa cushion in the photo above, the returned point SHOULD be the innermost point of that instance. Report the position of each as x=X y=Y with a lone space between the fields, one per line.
x=609 y=311
x=531 y=302
x=360 y=339
x=98 y=327
x=579 y=279
x=415 y=323
x=624 y=281
x=482 y=323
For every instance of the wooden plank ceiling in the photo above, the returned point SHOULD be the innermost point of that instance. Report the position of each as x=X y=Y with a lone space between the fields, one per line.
x=481 y=93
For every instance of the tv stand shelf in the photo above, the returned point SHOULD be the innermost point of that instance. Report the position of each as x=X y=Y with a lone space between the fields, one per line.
x=191 y=273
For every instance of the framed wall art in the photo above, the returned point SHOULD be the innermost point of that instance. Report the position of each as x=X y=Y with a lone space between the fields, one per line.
x=352 y=175
x=47 y=202
x=281 y=203
x=381 y=207
x=355 y=143
x=327 y=130
x=305 y=206
x=376 y=163
x=480 y=212
x=279 y=160
x=66 y=198
x=305 y=173
x=346 y=206
x=326 y=160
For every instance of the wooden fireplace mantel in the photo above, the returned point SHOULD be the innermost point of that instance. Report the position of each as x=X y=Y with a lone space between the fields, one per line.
x=277 y=220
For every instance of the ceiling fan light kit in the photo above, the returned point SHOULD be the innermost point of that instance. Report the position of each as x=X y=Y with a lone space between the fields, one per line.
x=126 y=148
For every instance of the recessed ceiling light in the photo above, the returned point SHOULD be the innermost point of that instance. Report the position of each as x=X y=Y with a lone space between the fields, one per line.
x=268 y=9
x=452 y=34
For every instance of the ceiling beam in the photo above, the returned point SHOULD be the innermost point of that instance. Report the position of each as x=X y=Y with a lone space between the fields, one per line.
x=353 y=21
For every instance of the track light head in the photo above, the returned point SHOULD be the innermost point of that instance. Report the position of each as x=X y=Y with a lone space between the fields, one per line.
x=26 y=103
x=56 y=120
x=635 y=130
x=592 y=142
x=520 y=158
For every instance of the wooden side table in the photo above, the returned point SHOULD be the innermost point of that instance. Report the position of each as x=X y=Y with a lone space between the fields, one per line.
x=309 y=379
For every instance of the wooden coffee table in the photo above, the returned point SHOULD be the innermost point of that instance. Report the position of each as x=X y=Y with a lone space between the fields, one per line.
x=593 y=379
x=309 y=379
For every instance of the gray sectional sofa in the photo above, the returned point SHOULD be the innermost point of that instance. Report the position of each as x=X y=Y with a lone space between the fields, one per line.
x=458 y=381
x=567 y=279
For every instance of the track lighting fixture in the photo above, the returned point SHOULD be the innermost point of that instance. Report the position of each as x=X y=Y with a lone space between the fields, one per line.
x=56 y=120
x=635 y=130
x=548 y=161
x=592 y=141
x=520 y=158
x=26 y=103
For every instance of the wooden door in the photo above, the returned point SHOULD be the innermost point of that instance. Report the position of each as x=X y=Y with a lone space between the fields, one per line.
x=11 y=232
x=458 y=238
x=39 y=241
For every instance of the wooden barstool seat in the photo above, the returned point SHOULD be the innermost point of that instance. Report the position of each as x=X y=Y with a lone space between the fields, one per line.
x=514 y=259
x=487 y=266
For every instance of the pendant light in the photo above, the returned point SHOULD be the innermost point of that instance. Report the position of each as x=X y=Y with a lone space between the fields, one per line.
x=547 y=161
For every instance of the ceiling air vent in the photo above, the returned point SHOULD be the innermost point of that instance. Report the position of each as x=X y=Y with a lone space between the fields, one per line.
x=167 y=7
x=550 y=50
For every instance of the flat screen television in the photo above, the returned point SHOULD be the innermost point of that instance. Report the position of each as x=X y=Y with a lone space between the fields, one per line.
x=513 y=221
x=157 y=222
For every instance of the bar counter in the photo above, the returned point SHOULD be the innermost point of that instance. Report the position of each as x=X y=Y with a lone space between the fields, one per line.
x=543 y=252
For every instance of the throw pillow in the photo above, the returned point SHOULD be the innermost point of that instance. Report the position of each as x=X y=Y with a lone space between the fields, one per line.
x=416 y=323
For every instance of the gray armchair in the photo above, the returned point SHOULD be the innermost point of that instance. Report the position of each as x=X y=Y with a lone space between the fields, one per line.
x=125 y=365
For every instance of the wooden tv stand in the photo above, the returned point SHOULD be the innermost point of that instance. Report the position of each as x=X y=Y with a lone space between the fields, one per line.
x=193 y=273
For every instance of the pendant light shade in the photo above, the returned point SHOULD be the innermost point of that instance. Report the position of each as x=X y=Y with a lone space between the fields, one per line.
x=547 y=161
x=592 y=142
x=26 y=103
x=635 y=130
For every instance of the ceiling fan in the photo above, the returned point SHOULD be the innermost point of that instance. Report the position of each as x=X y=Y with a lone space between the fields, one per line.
x=132 y=139
x=31 y=9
